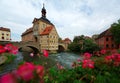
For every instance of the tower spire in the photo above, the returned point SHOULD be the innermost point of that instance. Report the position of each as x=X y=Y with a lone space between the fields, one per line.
x=43 y=11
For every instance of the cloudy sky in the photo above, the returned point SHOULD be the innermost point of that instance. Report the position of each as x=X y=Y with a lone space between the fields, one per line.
x=70 y=17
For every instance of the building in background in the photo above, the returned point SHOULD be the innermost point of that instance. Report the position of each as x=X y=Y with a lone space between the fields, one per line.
x=5 y=34
x=42 y=32
x=105 y=41
x=67 y=41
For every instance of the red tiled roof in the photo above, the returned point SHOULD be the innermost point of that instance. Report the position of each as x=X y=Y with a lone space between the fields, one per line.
x=47 y=30
x=67 y=39
x=28 y=31
x=105 y=33
x=4 y=29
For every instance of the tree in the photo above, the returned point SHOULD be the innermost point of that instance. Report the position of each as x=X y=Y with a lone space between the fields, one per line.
x=78 y=38
x=83 y=44
x=115 y=30
x=90 y=46
x=74 y=47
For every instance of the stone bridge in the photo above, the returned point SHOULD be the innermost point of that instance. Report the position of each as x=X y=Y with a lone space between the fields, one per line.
x=35 y=46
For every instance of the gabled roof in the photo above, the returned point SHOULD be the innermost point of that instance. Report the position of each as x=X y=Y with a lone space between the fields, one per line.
x=4 y=29
x=105 y=33
x=27 y=31
x=44 y=19
x=67 y=39
x=47 y=30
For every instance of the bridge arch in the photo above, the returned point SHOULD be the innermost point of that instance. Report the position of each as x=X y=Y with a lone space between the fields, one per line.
x=34 y=49
x=61 y=48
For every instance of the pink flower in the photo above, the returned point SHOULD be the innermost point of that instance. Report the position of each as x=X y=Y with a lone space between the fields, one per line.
x=103 y=51
x=31 y=54
x=78 y=60
x=87 y=64
x=14 y=50
x=2 y=50
x=45 y=53
x=10 y=48
x=25 y=71
x=8 y=78
x=108 y=59
x=40 y=70
x=59 y=66
x=87 y=55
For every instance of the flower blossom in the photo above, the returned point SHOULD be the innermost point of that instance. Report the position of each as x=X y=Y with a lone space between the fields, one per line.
x=31 y=54
x=2 y=50
x=10 y=48
x=25 y=71
x=45 y=53
x=88 y=64
x=103 y=51
x=59 y=66
x=8 y=78
x=40 y=71
x=87 y=55
x=115 y=58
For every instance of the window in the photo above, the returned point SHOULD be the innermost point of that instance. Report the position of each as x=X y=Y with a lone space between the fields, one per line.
x=107 y=39
x=112 y=38
x=7 y=34
x=107 y=46
x=112 y=46
x=2 y=37
x=44 y=26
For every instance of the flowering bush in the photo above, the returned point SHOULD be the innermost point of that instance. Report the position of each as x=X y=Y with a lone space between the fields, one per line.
x=89 y=69
x=27 y=72
x=7 y=53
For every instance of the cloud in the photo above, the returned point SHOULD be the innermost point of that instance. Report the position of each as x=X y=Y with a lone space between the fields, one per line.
x=71 y=17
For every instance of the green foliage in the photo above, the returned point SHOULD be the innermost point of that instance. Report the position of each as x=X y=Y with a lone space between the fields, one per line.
x=81 y=44
x=116 y=32
x=78 y=38
x=74 y=47
x=10 y=57
x=89 y=46
x=102 y=73
x=119 y=51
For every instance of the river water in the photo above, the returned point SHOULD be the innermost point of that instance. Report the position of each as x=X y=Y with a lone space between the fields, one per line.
x=65 y=59
x=5 y=68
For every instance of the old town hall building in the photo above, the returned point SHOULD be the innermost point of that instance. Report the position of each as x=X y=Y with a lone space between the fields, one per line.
x=42 y=32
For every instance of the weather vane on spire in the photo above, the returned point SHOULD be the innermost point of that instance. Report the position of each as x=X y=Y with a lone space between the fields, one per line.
x=43 y=11
x=43 y=4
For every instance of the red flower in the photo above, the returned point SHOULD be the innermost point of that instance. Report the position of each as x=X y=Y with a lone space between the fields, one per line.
x=108 y=59
x=45 y=53
x=2 y=50
x=10 y=48
x=87 y=55
x=25 y=71
x=87 y=64
x=40 y=70
x=8 y=78
x=103 y=51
